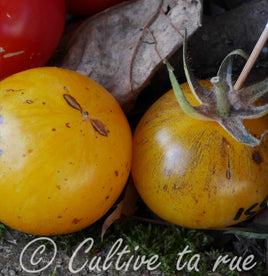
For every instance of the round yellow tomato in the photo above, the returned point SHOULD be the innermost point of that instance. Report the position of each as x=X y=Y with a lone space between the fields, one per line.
x=65 y=151
x=192 y=172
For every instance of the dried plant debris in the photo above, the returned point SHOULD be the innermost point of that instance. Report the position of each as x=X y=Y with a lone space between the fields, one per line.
x=123 y=47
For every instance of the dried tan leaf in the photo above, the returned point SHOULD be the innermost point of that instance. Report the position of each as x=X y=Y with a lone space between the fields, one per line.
x=123 y=47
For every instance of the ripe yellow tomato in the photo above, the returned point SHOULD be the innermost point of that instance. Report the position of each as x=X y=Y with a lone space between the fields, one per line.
x=192 y=172
x=65 y=151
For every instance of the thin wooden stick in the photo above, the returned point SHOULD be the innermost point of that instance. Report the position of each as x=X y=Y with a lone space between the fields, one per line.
x=256 y=51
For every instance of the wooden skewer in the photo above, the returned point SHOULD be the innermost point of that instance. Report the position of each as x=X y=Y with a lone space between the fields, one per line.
x=256 y=51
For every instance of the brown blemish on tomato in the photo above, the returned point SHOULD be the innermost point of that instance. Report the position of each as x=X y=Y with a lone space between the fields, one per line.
x=68 y=125
x=14 y=90
x=71 y=101
x=107 y=197
x=223 y=147
x=29 y=151
x=59 y=217
x=58 y=187
x=224 y=141
x=53 y=129
x=256 y=157
x=213 y=171
x=215 y=189
x=99 y=126
x=165 y=187
x=66 y=89
x=175 y=187
x=65 y=179
x=195 y=199
x=76 y=220
x=43 y=103
x=178 y=187
x=116 y=173
x=228 y=174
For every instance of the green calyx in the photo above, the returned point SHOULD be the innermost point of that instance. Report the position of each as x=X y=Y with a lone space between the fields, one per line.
x=223 y=103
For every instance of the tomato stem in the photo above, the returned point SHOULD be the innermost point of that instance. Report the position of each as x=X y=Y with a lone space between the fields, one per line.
x=226 y=65
x=254 y=92
x=222 y=105
x=183 y=102
x=201 y=93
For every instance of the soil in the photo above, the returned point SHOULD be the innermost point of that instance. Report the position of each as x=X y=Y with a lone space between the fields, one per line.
x=16 y=258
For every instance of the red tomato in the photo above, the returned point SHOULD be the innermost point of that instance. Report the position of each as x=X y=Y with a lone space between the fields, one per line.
x=30 y=31
x=89 y=7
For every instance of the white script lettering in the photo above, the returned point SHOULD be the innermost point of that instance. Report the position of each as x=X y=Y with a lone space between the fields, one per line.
x=34 y=260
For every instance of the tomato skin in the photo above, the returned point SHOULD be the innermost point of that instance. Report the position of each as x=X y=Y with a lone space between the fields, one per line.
x=87 y=7
x=30 y=31
x=58 y=174
x=192 y=172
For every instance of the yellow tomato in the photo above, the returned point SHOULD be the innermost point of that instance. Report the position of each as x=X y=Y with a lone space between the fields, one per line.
x=192 y=172
x=65 y=151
